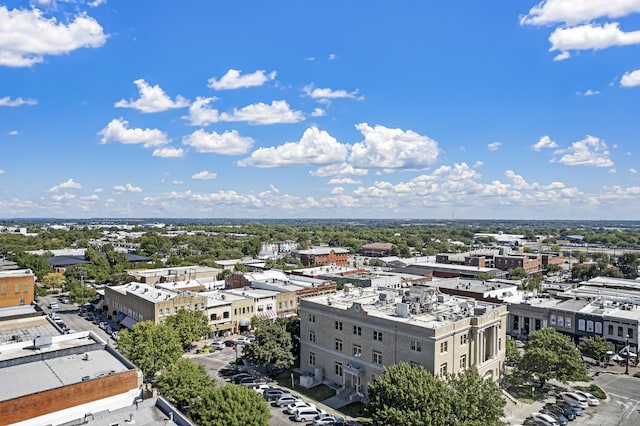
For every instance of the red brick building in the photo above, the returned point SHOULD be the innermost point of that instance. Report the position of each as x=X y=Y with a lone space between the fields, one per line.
x=324 y=256
x=16 y=287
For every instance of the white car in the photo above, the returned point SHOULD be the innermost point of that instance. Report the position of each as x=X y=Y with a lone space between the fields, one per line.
x=217 y=345
x=545 y=418
x=286 y=400
x=327 y=419
x=243 y=340
x=307 y=414
x=591 y=400
x=292 y=408
x=259 y=388
x=574 y=397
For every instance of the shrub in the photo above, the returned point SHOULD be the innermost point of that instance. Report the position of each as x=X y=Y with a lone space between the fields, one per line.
x=593 y=390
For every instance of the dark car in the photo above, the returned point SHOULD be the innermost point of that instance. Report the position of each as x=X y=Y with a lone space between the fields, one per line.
x=567 y=412
x=229 y=343
x=237 y=377
x=572 y=406
x=227 y=372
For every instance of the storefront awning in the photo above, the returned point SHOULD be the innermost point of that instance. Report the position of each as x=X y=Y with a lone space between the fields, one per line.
x=267 y=314
x=128 y=322
x=244 y=322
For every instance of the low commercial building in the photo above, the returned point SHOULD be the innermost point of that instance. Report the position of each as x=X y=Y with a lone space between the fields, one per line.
x=17 y=287
x=349 y=338
x=376 y=249
x=174 y=274
x=58 y=379
x=321 y=256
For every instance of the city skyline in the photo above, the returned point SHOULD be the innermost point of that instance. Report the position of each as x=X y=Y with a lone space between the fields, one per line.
x=334 y=110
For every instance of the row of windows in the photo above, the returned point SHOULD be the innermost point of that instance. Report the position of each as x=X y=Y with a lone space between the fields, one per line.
x=16 y=288
x=377 y=359
x=560 y=321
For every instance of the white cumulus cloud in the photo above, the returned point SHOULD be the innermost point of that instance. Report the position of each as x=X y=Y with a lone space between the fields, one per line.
x=572 y=12
x=201 y=114
x=590 y=151
x=630 y=79
x=204 y=175
x=227 y=143
x=26 y=36
x=7 y=101
x=152 y=99
x=234 y=80
x=318 y=112
x=316 y=147
x=326 y=93
x=118 y=131
x=342 y=169
x=494 y=146
x=393 y=149
x=543 y=143
x=69 y=184
x=168 y=152
x=591 y=36
x=127 y=188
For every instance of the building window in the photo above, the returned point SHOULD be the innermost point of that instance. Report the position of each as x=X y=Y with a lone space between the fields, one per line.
x=552 y=320
x=312 y=318
x=619 y=331
x=463 y=361
x=175 y=309
x=630 y=333
x=25 y=288
x=610 y=329
x=3 y=289
x=279 y=306
x=312 y=358
x=357 y=351
x=16 y=288
x=463 y=339
x=160 y=312
x=339 y=325
x=312 y=336
x=377 y=357
x=560 y=321
x=581 y=325
x=225 y=314
x=338 y=345
x=444 y=347
x=377 y=335
x=598 y=326
x=443 y=369
x=500 y=344
x=567 y=322
x=357 y=330
x=338 y=368
x=235 y=311
x=416 y=346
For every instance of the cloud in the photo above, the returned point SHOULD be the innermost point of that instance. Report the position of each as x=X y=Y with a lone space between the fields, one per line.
x=152 y=99
x=168 y=152
x=69 y=184
x=588 y=92
x=63 y=197
x=7 y=101
x=393 y=149
x=233 y=80
x=318 y=112
x=344 y=181
x=590 y=151
x=204 y=175
x=630 y=79
x=543 y=143
x=573 y=12
x=177 y=182
x=200 y=114
x=26 y=36
x=342 y=169
x=326 y=94
x=591 y=36
x=494 y=146
x=117 y=131
x=562 y=56
x=13 y=133
x=227 y=143
x=127 y=188
x=316 y=147
x=1 y=172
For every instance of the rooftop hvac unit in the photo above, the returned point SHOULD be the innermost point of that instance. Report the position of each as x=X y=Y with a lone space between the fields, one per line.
x=86 y=356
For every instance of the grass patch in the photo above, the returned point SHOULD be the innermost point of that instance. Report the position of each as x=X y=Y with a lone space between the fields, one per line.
x=593 y=390
x=316 y=393
x=354 y=409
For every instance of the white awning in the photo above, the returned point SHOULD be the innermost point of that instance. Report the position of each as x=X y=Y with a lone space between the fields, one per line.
x=267 y=314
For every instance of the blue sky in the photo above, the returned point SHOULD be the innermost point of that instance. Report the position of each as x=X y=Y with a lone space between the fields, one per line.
x=320 y=109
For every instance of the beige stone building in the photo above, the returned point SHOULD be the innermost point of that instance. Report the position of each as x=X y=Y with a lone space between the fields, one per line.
x=348 y=338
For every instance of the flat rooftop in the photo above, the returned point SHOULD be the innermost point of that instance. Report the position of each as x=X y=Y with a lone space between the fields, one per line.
x=61 y=363
x=25 y=329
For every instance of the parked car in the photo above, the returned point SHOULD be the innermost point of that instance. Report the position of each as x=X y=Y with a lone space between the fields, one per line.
x=252 y=380
x=571 y=405
x=237 y=377
x=534 y=422
x=545 y=418
x=307 y=414
x=229 y=343
x=575 y=398
x=273 y=393
x=227 y=372
x=292 y=408
x=251 y=338
x=565 y=411
x=285 y=400
x=217 y=345
x=328 y=419
x=103 y=325
x=242 y=340
x=591 y=399
x=53 y=305
x=560 y=418
x=259 y=388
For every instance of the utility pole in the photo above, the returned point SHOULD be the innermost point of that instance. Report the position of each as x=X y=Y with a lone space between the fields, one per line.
x=626 y=345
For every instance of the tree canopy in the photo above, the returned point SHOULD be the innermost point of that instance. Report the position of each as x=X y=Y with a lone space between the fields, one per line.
x=230 y=405
x=552 y=355
x=476 y=401
x=183 y=382
x=272 y=347
x=596 y=346
x=152 y=347
x=190 y=325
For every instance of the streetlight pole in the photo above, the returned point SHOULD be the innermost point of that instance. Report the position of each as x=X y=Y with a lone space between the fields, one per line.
x=626 y=345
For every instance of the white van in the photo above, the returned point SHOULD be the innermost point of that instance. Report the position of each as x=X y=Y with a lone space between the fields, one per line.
x=53 y=305
x=307 y=414
x=574 y=397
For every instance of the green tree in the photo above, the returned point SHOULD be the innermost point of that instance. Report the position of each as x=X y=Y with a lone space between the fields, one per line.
x=190 y=325
x=53 y=280
x=80 y=293
x=552 y=355
x=628 y=265
x=223 y=274
x=476 y=401
x=151 y=347
x=230 y=405
x=517 y=273
x=409 y=396
x=596 y=346
x=553 y=268
x=272 y=347
x=512 y=352
x=183 y=381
